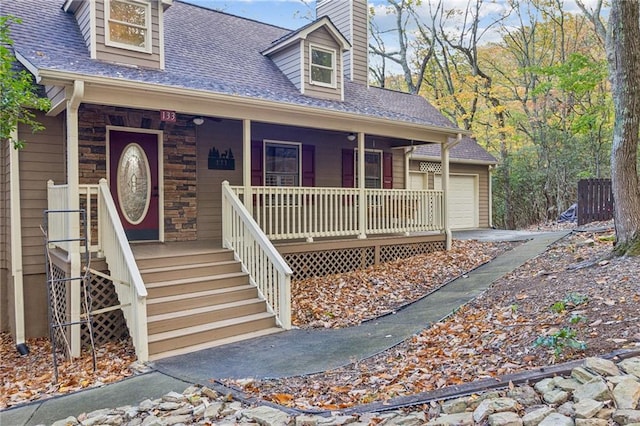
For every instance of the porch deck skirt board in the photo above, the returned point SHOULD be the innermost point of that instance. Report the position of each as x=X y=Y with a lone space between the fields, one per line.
x=321 y=258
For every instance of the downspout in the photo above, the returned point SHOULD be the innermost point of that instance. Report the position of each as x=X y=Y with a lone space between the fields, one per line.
x=445 y=188
x=362 y=195
x=246 y=165
x=16 y=247
x=73 y=194
x=407 y=156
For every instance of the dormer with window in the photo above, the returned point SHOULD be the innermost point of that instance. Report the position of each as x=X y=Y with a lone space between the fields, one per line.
x=128 y=32
x=312 y=59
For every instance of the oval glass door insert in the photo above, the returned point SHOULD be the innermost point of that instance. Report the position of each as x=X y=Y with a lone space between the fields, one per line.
x=134 y=183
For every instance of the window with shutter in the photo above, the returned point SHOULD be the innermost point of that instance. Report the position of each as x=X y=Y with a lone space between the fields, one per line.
x=378 y=169
x=281 y=164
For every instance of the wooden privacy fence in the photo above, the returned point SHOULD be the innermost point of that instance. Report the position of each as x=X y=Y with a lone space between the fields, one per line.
x=595 y=200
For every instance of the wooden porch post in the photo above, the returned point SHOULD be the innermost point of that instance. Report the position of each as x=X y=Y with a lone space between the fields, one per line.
x=445 y=188
x=16 y=242
x=73 y=181
x=445 y=193
x=246 y=164
x=362 y=195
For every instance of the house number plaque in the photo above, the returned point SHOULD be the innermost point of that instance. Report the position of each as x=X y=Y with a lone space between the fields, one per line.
x=169 y=116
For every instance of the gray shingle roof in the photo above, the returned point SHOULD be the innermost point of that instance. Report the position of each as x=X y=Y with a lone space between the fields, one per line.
x=205 y=50
x=467 y=149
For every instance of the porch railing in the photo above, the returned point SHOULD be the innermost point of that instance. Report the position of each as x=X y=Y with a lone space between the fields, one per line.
x=107 y=238
x=265 y=266
x=305 y=212
x=58 y=199
x=124 y=271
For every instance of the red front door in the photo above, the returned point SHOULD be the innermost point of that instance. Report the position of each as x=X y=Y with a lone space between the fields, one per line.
x=133 y=179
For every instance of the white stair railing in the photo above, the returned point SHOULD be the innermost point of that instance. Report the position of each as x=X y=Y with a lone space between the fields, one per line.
x=124 y=271
x=266 y=268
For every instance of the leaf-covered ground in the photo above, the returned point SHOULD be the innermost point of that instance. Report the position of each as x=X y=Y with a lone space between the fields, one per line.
x=31 y=377
x=571 y=300
x=344 y=300
x=572 y=288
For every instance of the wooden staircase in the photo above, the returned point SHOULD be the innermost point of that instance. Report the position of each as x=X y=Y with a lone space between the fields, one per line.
x=197 y=300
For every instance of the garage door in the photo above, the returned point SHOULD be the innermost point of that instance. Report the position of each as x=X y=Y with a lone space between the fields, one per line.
x=463 y=200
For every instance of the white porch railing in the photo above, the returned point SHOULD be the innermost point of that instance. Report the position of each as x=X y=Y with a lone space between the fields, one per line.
x=58 y=224
x=107 y=238
x=58 y=199
x=305 y=212
x=266 y=268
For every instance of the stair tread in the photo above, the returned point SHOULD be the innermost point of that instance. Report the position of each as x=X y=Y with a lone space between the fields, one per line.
x=158 y=284
x=153 y=256
x=214 y=343
x=203 y=309
x=187 y=266
x=198 y=294
x=207 y=327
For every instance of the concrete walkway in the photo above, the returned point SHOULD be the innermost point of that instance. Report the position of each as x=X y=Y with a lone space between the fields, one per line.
x=290 y=353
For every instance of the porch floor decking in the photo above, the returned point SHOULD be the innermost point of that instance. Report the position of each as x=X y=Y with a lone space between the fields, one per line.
x=148 y=249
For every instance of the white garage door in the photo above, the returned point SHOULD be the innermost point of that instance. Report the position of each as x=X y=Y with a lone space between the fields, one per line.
x=463 y=200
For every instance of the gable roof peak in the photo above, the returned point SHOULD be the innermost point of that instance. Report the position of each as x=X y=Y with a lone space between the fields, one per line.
x=303 y=32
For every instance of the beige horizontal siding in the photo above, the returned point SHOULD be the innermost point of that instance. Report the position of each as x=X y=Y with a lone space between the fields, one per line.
x=288 y=60
x=221 y=135
x=56 y=94
x=5 y=216
x=83 y=17
x=42 y=159
x=360 y=45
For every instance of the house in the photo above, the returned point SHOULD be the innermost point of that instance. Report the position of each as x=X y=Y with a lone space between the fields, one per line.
x=193 y=162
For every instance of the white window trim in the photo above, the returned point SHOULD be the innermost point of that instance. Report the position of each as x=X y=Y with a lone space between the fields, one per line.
x=355 y=166
x=334 y=71
x=147 y=27
x=266 y=142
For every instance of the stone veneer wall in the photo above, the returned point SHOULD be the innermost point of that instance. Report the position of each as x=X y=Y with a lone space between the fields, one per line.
x=179 y=162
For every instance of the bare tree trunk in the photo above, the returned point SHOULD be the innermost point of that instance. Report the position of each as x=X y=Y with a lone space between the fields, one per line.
x=623 y=54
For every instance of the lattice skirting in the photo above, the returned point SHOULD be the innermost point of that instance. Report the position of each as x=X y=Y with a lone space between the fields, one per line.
x=107 y=326
x=59 y=307
x=326 y=262
x=403 y=251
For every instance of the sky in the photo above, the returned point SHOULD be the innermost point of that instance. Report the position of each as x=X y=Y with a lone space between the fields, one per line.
x=290 y=14
x=293 y=14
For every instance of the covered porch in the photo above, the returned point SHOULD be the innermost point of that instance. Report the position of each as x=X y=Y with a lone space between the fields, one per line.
x=251 y=213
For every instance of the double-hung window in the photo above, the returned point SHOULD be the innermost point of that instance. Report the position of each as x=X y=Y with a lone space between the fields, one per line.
x=323 y=66
x=128 y=24
x=282 y=164
x=372 y=169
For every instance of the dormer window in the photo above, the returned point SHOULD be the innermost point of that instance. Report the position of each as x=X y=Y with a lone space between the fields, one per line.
x=323 y=66
x=128 y=24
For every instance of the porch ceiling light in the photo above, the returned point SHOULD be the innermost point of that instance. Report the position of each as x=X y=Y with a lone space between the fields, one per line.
x=198 y=121
x=351 y=137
